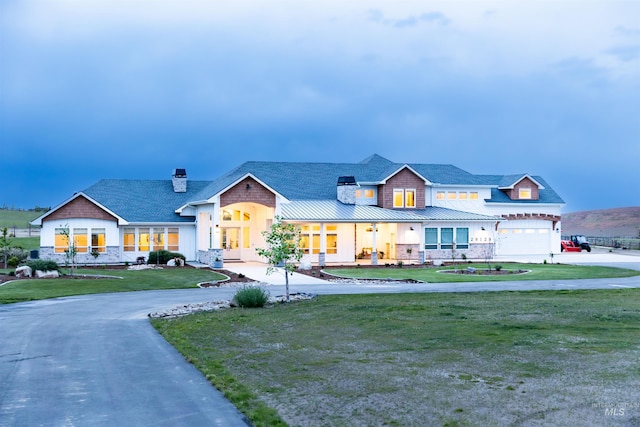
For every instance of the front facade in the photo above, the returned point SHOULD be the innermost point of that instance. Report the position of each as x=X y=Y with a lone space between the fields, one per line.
x=375 y=209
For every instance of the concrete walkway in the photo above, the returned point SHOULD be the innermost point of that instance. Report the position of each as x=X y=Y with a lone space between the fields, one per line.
x=258 y=271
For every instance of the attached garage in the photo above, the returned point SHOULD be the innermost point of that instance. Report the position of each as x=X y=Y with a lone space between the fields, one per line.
x=523 y=239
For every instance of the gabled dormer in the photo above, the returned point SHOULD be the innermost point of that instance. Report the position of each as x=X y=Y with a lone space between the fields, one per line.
x=403 y=189
x=521 y=187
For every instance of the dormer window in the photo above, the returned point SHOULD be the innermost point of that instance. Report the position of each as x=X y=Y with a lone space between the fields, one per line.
x=404 y=198
x=524 y=193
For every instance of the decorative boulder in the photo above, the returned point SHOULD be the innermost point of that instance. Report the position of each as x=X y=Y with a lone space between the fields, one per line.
x=24 y=271
x=47 y=274
x=304 y=265
x=171 y=263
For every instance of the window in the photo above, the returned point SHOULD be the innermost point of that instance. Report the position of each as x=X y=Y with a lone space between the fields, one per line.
x=404 y=198
x=98 y=240
x=524 y=193
x=473 y=195
x=462 y=238
x=129 y=239
x=448 y=235
x=440 y=195
x=158 y=239
x=80 y=240
x=462 y=195
x=61 y=243
x=452 y=195
x=431 y=238
x=246 y=237
x=332 y=237
x=369 y=194
x=446 y=238
x=358 y=193
x=143 y=239
x=410 y=198
x=173 y=239
x=398 y=198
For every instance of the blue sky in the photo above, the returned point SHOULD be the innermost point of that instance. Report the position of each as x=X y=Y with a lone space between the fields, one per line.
x=133 y=89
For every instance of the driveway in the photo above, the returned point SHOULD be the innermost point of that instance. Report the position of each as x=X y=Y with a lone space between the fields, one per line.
x=96 y=361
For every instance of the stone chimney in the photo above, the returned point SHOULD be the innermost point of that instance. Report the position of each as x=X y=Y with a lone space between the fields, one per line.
x=347 y=190
x=179 y=179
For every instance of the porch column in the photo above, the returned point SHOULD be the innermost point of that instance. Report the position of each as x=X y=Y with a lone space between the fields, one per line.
x=374 y=246
x=421 y=252
x=323 y=246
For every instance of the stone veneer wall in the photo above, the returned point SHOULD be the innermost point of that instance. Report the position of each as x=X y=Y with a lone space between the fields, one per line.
x=111 y=256
x=475 y=252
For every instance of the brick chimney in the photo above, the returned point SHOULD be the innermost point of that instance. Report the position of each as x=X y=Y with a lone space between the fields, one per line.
x=179 y=180
x=346 y=189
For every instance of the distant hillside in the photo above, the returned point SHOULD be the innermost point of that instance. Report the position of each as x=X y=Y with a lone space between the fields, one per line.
x=618 y=222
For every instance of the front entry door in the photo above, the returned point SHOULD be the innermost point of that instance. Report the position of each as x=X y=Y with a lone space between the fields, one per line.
x=230 y=242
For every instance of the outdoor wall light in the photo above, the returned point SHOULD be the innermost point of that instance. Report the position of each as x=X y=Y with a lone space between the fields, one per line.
x=248 y=186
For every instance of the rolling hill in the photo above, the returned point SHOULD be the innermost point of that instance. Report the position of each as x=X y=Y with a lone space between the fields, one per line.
x=617 y=222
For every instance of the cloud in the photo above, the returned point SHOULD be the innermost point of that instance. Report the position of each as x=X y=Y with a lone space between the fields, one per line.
x=376 y=15
x=625 y=53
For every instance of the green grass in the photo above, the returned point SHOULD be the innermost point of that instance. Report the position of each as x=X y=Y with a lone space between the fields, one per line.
x=27 y=243
x=536 y=272
x=420 y=359
x=144 y=280
x=15 y=218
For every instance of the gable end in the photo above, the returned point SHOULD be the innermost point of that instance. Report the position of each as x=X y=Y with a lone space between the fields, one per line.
x=80 y=207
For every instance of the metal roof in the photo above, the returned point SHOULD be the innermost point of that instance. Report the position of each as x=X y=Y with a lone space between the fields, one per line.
x=335 y=211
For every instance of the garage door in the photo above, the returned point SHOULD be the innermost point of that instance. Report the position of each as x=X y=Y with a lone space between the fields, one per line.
x=523 y=241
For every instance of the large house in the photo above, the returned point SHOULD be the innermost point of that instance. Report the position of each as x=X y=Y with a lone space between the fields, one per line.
x=375 y=209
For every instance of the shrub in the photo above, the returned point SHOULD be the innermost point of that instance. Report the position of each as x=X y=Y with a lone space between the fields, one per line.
x=19 y=253
x=13 y=262
x=400 y=264
x=162 y=256
x=251 y=296
x=498 y=267
x=43 y=265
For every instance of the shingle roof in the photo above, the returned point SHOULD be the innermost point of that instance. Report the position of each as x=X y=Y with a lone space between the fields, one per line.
x=155 y=201
x=143 y=200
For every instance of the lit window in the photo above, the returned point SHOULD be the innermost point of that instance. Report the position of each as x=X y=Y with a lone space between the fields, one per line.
x=173 y=239
x=98 y=240
x=246 y=237
x=129 y=239
x=143 y=239
x=524 y=193
x=158 y=239
x=473 y=195
x=80 y=240
x=358 y=193
x=246 y=216
x=462 y=195
x=452 y=195
x=398 y=198
x=410 y=198
x=61 y=243
x=332 y=238
x=369 y=194
x=440 y=195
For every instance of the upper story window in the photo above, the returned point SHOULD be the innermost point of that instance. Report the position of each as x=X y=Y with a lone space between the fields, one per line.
x=404 y=198
x=524 y=193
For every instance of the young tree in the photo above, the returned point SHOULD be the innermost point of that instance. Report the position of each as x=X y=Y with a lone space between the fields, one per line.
x=283 y=241
x=5 y=244
x=71 y=251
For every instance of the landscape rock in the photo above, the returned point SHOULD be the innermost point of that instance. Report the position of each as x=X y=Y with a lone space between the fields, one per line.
x=304 y=265
x=24 y=271
x=47 y=274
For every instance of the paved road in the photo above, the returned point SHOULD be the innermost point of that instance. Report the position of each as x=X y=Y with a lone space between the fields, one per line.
x=96 y=361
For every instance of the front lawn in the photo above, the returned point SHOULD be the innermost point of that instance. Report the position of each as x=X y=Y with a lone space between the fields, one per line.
x=143 y=280
x=454 y=359
x=433 y=274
